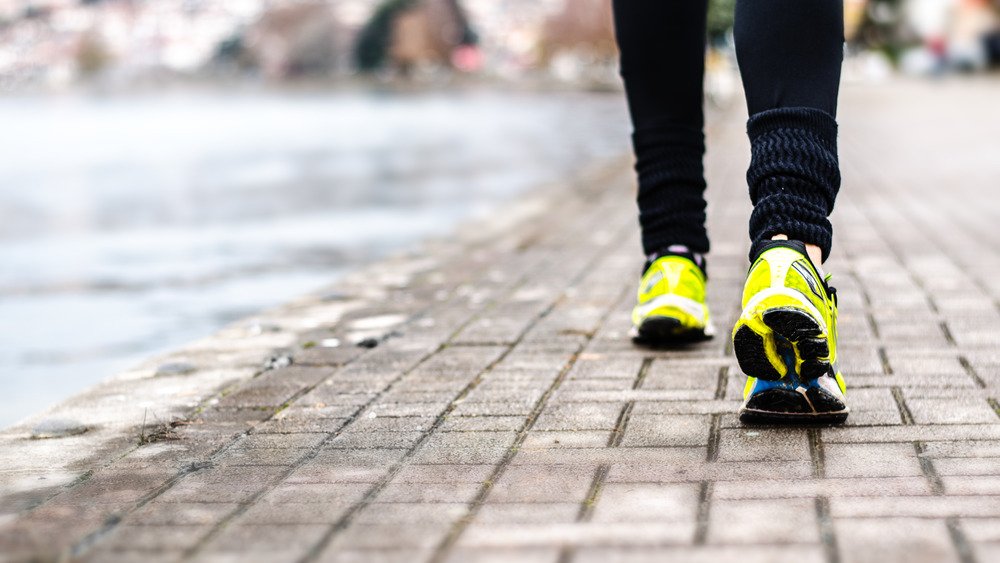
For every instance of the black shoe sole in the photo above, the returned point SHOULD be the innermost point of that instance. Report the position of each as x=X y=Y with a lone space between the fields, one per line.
x=786 y=406
x=797 y=329
x=664 y=331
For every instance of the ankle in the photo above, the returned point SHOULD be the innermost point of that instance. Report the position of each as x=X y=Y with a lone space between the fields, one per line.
x=815 y=254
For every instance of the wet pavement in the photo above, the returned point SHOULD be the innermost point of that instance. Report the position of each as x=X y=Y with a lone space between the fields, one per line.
x=499 y=412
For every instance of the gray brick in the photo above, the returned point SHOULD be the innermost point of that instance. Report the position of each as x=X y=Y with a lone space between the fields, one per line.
x=916 y=507
x=428 y=492
x=578 y=534
x=894 y=540
x=465 y=448
x=444 y=474
x=567 y=439
x=341 y=494
x=786 y=488
x=181 y=514
x=871 y=460
x=667 y=430
x=747 y=521
x=482 y=423
x=704 y=554
x=627 y=502
x=579 y=416
x=527 y=513
x=530 y=483
x=763 y=444
x=972 y=410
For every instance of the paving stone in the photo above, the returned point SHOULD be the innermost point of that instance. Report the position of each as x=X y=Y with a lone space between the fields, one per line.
x=482 y=423
x=524 y=555
x=667 y=430
x=493 y=512
x=763 y=444
x=529 y=483
x=444 y=473
x=628 y=502
x=428 y=492
x=972 y=410
x=289 y=540
x=411 y=513
x=181 y=514
x=703 y=554
x=579 y=416
x=577 y=534
x=893 y=540
x=343 y=494
x=465 y=448
x=870 y=460
x=224 y=484
x=417 y=537
x=153 y=538
x=747 y=521
x=375 y=556
x=829 y=487
x=696 y=470
x=569 y=439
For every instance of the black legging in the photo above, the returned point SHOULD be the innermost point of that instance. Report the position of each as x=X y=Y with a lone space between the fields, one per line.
x=790 y=54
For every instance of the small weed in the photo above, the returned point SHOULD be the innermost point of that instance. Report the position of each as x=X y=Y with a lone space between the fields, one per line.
x=308 y=345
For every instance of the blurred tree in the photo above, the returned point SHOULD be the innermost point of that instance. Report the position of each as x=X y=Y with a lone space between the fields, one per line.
x=406 y=33
x=92 y=54
x=883 y=29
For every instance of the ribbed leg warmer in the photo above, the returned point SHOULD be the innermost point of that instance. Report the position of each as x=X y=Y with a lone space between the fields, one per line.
x=794 y=175
x=671 y=188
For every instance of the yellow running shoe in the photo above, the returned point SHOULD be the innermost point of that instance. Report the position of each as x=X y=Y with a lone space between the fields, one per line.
x=786 y=340
x=671 y=306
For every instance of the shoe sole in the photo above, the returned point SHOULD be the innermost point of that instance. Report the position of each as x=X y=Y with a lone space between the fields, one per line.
x=777 y=327
x=788 y=406
x=661 y=330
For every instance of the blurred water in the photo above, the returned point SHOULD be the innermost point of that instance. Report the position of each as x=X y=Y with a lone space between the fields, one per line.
x=131 y=226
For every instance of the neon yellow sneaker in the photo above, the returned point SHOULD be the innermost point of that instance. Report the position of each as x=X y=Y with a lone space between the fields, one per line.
x=786 y=340
x=671 y=306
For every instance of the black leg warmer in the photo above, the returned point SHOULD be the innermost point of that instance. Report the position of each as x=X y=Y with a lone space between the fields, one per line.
x=794 y=175
x=671 y=188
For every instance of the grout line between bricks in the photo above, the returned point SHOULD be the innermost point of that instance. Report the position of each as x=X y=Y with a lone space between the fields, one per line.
x=643 y=372
x=827 y=533
x=904 y=410
x=967 y=366
x=816 y=453
x=947 y=334
x=715 y=429
x=959 y=540
x=995 y=404
x=722 y=383
x=937 y=486
x=704 y=512
x=884 y=358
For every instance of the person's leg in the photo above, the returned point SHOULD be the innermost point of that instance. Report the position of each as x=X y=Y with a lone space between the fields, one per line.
x=790 y=54
x=662 y=47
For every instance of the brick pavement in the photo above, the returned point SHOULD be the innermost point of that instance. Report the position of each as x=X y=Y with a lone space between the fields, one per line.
x=505 y=415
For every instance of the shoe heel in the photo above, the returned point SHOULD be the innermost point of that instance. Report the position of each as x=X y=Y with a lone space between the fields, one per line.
x=777 y=333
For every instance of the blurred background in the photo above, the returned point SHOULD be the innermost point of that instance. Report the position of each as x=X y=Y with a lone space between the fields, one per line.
x=170 y=166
